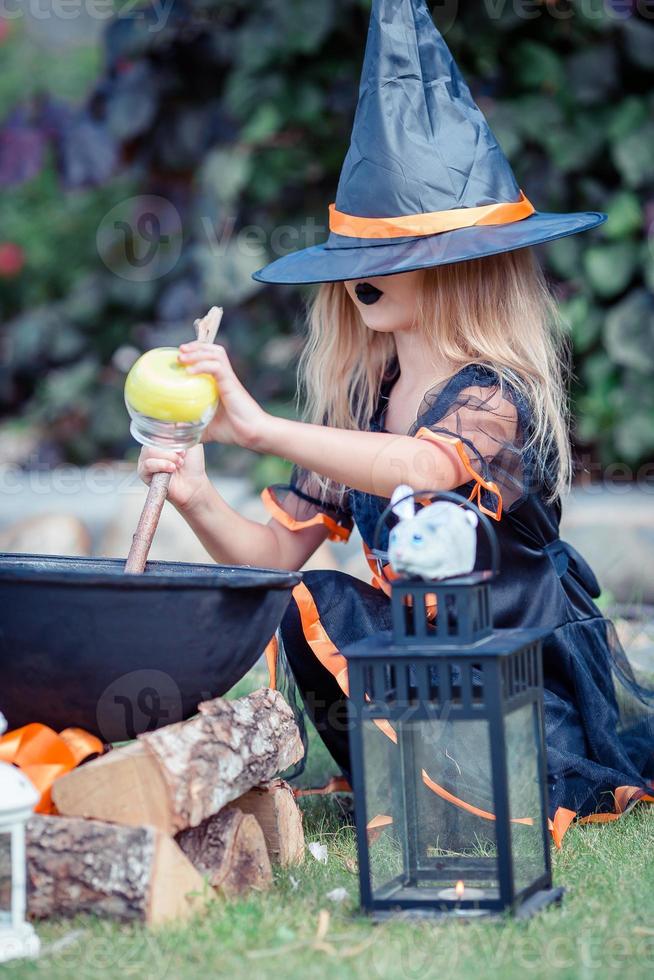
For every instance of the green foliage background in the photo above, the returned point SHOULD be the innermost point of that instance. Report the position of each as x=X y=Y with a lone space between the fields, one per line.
x=239 y=113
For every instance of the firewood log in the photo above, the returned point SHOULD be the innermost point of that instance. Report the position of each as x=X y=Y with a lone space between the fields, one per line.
x=126 y=873
x=179 y=776
x=280 y=819
x=230 y=851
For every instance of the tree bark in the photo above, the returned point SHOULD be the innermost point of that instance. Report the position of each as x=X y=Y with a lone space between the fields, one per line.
x=230 y=850
x=126 y=873
x=182 y=774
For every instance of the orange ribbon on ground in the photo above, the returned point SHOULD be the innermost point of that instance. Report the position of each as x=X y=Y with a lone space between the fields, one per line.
x=430 y=222
x=44 y=756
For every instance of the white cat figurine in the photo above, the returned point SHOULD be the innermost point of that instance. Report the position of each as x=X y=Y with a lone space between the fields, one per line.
x=438 y=541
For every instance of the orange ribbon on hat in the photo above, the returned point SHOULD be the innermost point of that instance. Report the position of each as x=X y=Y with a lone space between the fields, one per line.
x=44 y=756
x=430 y=222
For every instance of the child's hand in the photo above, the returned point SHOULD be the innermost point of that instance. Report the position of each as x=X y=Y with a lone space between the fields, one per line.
x=239 y=420
x=189 y=475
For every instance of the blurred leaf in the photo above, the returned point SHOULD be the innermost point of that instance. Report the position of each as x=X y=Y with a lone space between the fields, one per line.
x=133 y=102
x=592 y=74
x=625 y=215
x=127 y=38
x=627 y=116
x=265 y=122
x=66 y=389
x=226 y=273
x=647 y=254
x=135 y=295
x=634 y=432
x=22 y=149
x=108 y=422
x=584 y=321
x=42 y=334
x=502 y=122
x=610 y=268
x=629 y=332
x=183 y=138
x=304 y=25
x=532 y=115
x=87 y=153
x=639 y=42
x=224 y=174
x=573 y=149
x=634 y=158
x=84 y=302
x=564 y=257
x=537 y=66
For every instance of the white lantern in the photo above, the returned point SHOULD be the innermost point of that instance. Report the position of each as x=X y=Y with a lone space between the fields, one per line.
x=18 y=797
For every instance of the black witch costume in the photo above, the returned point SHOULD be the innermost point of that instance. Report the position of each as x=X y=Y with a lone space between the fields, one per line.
x=424 y=184
x=599 y=716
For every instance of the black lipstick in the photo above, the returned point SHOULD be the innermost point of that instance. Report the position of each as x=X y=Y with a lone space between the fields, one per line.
x=367 y=293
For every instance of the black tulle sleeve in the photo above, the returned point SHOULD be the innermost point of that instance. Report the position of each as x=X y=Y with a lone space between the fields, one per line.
x=492 y=422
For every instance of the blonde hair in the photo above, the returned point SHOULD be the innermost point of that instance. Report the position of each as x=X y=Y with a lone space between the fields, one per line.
x=496 y=312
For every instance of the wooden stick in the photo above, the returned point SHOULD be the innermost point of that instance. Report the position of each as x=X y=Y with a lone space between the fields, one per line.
x=147 y=525
x=205 y=330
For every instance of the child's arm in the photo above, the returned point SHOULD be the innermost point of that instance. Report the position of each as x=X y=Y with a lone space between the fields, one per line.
x=227 y=536
x=374 y=462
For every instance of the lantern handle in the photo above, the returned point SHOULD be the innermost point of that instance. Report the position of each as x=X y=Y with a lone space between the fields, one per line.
x=434 y=496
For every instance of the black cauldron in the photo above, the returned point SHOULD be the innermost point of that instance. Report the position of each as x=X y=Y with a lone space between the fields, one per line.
x=83 y=644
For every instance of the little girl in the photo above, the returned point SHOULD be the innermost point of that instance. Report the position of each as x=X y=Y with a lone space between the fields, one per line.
x=433 y=360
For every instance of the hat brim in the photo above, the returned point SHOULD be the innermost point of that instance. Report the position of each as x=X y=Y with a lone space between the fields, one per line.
x=341 y=258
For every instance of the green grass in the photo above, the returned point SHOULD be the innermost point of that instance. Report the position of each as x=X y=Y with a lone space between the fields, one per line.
x=604 y=928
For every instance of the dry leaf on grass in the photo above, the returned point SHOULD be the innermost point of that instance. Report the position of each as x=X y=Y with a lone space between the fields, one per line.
x=337 y=895
x=319 y=851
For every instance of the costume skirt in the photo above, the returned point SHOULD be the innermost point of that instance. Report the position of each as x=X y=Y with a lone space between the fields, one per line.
x=599 y=717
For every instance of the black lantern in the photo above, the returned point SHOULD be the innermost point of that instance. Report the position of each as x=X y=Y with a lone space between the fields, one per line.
x=447 y=753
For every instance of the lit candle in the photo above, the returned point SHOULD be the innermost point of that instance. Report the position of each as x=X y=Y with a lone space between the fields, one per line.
x=161 y=388
x=462 y=892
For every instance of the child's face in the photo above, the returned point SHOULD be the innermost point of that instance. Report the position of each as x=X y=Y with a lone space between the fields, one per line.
x=387 y=303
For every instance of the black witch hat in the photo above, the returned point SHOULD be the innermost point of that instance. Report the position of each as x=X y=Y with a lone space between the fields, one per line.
x=425 y=182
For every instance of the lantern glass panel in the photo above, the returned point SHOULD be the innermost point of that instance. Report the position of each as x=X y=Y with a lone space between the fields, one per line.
x=5 y=878
x=429 y=804
x=522 y=730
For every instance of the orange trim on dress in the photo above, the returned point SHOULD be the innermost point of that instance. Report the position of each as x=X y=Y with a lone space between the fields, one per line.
x=625 y=799
x=326 y=652
x=558 y=827
x=480 y=482
x=271 y=653
x=337 y=532
x=430 y=222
